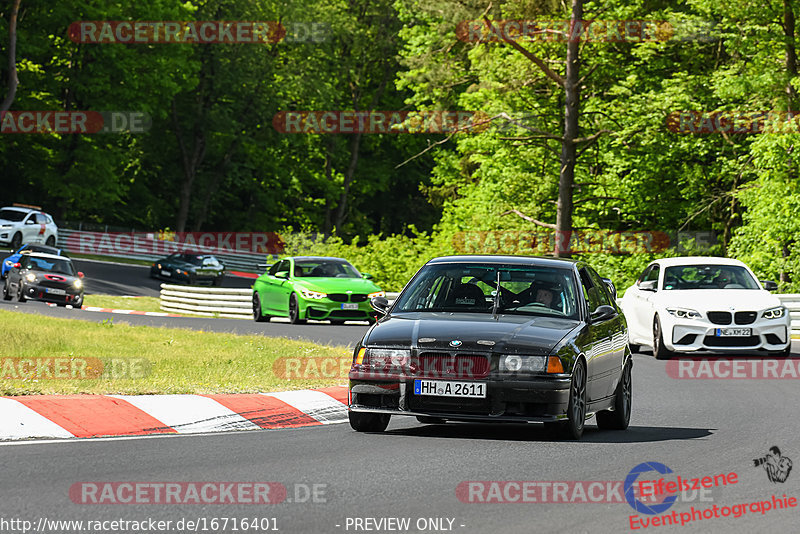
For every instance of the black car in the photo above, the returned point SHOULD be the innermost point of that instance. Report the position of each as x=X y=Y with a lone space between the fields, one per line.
x=45 y=277
x=189 y=268
x=549 y=346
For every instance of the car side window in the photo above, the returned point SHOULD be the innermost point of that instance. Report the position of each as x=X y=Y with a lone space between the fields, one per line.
x=41 y=219
x=278 y=267
x=603 y=293
x=652 y=274
x=590 y=291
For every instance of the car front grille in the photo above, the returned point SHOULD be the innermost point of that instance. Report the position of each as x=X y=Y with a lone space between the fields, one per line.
x=347 y=297
x=451 y=365
x=719 y=317
x=747 y=317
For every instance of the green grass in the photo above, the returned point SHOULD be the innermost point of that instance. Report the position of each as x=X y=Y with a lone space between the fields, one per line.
x=179 y=361
x=151 y=304
x=113 y=259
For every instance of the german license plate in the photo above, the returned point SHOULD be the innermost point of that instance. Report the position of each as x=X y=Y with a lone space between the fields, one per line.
x=166 y=273
x=54 y=291
x=350 y=306
x=446 y=388
x=733 y=332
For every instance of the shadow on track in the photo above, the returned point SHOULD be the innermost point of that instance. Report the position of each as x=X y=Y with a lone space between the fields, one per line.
x=537 y=432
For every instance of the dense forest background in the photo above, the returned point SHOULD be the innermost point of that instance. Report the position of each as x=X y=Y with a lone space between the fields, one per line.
x=212 y=159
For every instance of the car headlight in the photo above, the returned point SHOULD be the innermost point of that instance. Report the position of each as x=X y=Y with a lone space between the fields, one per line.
x=387 y=358
x=377 y=294
x=308 y=294
x=514 y=363
x=30 y=277
x=684 y=313
x=774 y=313
x=78 y=284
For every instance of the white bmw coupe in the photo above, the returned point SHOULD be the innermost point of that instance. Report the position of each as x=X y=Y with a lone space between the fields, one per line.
x=705 y=304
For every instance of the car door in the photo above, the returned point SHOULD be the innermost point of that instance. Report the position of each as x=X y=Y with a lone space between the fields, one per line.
x=611 y=358
x=30 y=230
x=272 y=286
x=596 y=342
x=639 y=306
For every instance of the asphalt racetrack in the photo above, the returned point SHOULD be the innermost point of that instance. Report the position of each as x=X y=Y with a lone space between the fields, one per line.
x=697 y=428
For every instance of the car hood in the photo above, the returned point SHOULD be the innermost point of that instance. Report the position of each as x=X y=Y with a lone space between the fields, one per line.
x=337 y=285
x=719 y=299
x=57 y=278
x=511 y=333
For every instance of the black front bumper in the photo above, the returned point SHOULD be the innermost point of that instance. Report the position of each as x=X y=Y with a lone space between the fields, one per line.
x=35 y=292
x=507 y=400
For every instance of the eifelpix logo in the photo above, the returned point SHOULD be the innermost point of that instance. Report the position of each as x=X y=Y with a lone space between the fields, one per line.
x=777 y=467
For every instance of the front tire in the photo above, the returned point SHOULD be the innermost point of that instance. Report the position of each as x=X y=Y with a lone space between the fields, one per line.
x=218 y=280
x=20 y=296
x=368 y=422
x=572 y=428
x=258 y=315
x=6 y=294
x=294 y=311
x=621 y=416
x=659 y=350
x=16 y=241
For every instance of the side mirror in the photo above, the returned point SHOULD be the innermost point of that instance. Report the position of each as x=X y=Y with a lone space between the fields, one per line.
x=611 y=287
x=30 y=221
x=282 y=274
x=380 y=304
x=603 y=313
x=769 y=285
x=649 y=285
x=17 y=266
x=80 y=274
x=367 y=276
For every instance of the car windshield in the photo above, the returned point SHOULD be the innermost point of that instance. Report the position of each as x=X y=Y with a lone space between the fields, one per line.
x=190 y=259
x=325 y=269
x=42 y=248
x=470 y=288
x=12 y=215
x=53 y=265
x=708 y=277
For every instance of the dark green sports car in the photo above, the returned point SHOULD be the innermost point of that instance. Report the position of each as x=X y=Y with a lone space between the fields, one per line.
x=309 y=287
x=189 y=268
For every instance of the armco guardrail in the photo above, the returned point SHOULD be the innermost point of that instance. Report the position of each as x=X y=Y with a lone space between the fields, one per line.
x=207 y=301
x=792 y=303
x=212 y=301
x=144 y=246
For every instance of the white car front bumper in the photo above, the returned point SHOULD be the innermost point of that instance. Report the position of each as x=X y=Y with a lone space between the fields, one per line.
x=689 y=335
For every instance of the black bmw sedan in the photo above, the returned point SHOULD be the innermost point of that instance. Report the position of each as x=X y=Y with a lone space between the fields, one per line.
x=45 y=277
x=189 y=268
x=496 y=339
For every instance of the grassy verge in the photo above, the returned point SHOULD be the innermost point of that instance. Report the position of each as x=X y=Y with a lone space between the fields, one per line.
x=174 y=360
x=151 y=304
x=113 y=259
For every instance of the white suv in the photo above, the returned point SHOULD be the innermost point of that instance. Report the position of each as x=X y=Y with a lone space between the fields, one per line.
x=20 y=225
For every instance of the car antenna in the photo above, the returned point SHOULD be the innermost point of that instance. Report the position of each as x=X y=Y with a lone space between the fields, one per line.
x=496 y=305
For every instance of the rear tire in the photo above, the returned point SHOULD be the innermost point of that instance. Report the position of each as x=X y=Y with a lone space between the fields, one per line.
x=258 y=315
x=218 y=280
x=51 y=241
x=368 y=422
x=659 y=350
x=621 y=416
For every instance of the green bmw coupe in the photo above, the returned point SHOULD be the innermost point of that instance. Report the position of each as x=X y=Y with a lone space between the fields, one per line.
x=309 y=287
